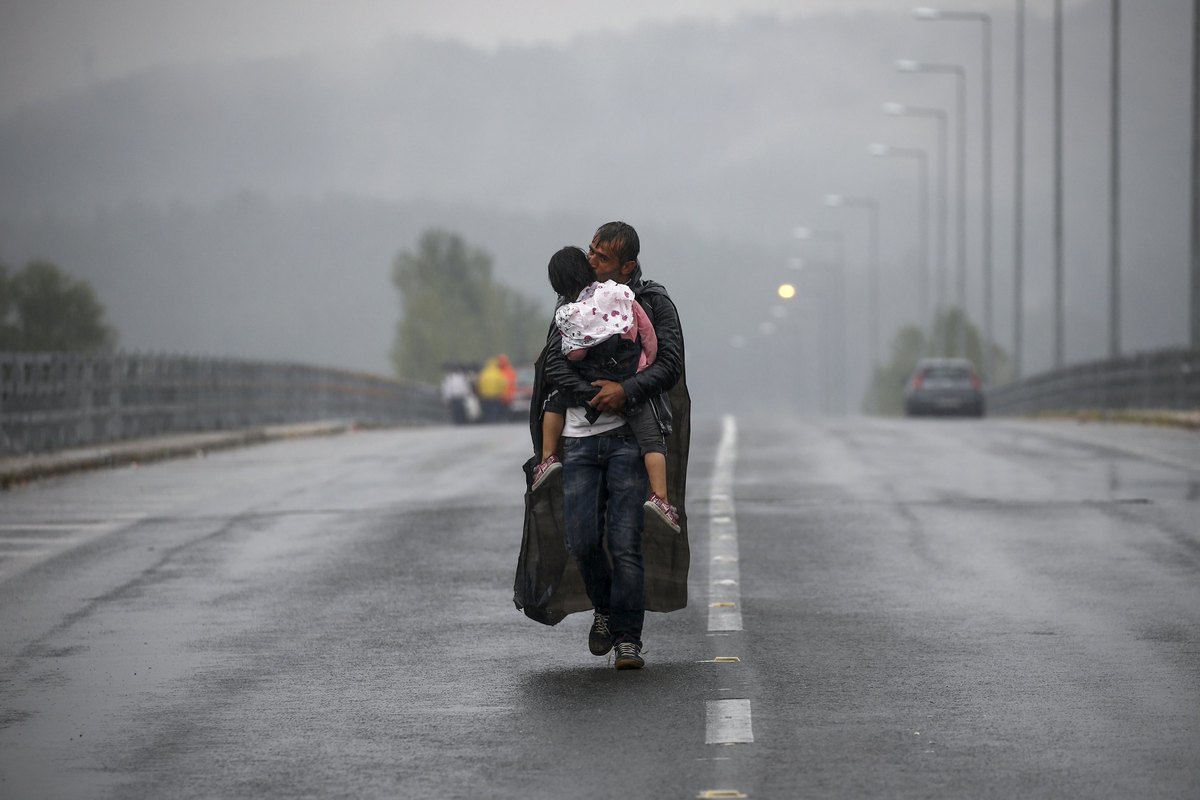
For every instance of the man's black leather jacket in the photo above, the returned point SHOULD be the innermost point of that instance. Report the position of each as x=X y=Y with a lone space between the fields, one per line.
x=650 y=383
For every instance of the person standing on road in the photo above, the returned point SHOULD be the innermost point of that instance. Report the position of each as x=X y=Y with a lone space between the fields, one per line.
x=456 y=388
x=510 y=382
x=491 y=385
x=603 y=475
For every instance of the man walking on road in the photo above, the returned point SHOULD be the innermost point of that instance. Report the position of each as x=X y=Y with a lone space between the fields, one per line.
x=604 y=477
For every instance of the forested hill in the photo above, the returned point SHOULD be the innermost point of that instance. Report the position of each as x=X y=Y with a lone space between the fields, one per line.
x=255 y=207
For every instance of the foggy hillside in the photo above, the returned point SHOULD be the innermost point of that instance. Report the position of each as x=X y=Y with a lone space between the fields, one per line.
x=678 y=112
x=254 y=208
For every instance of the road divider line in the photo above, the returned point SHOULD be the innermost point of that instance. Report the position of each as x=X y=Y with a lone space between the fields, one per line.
x=728 y=722
x=724 y=608
x=65 y=527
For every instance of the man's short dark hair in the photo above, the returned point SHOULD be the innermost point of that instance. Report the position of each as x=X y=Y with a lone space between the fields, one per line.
x=623 y=236
x=569 y=272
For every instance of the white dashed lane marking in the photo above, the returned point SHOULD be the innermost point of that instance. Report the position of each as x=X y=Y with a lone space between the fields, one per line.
x=728 y=722
x=26 y=543
x=724 y=607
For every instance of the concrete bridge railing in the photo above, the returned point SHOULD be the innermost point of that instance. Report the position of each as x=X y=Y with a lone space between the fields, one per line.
x=52 y=401
x=1164 y=379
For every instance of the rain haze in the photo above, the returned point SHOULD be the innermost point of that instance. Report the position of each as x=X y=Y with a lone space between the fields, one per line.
x=237 y=178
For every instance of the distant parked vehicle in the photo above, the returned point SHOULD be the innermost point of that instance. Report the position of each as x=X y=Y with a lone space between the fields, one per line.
x=947 y=386
x=518 y=409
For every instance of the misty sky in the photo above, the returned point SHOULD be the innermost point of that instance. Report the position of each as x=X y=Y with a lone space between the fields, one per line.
x=235 y=178
x=48 y=47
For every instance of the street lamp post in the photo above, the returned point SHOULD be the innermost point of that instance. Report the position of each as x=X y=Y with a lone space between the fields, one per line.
x=922 y=158
x=839 y=268
x=872 y=207
x=1114 y=192
x=1019 y=193
x=822 y=317
x=898 y=109
x=1195 y=304
x=907 y=65
x=1059 y=305
x=985 y=20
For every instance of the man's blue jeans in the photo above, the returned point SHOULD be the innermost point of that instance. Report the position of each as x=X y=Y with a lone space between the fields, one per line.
x=605 y=484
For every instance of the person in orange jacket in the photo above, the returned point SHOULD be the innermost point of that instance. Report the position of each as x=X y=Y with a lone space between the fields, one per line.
x=510 y=377
x=491 y=386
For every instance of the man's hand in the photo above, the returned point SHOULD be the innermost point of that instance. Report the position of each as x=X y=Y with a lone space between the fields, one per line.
x=611 y=396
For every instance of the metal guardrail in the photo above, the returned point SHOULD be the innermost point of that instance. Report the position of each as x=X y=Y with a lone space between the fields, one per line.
x=51 y=401
x=1164 y=379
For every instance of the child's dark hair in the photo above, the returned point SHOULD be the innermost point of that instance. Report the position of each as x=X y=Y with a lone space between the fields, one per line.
x=570 y=272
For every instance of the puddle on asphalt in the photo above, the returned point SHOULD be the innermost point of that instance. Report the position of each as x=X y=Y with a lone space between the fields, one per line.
x=1139 y=483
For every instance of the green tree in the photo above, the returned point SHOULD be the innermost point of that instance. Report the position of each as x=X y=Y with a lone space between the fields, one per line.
x=887 y=387
x=43 y=309
x=886 y=395
x=451 y=310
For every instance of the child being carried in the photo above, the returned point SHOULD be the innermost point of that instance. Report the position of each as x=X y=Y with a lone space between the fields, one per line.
x=603 y=315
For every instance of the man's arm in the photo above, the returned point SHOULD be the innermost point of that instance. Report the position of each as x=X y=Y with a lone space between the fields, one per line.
x=667 y=368
x=561 y=373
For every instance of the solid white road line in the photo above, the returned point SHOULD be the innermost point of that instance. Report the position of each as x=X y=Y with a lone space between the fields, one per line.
x=728 y=722
x=725 y=600
x=66 y=527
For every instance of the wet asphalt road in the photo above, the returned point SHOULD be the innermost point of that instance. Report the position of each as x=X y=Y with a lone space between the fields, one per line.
x=928 y=609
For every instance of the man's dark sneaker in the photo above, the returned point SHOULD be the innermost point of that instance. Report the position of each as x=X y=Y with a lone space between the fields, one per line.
x=599 y=639
x=667 y=512
x=629 y=656
x=543 y=471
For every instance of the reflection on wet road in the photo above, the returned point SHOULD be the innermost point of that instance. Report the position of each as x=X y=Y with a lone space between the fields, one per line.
x=932 y=608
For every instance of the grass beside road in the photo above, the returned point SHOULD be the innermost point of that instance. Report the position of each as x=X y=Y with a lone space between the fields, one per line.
x=1167 y=418
x=16 y=470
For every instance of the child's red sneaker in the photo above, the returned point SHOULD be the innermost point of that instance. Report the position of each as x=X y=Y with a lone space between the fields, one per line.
x=543 y=471
x=667 y=512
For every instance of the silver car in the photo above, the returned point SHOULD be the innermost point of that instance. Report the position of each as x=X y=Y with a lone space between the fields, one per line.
x=944 y=386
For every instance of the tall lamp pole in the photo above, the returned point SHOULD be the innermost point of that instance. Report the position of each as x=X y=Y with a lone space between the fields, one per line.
x=1114 y=189
x=1019 y=194
x=1059 y=304
x=907 y=65
x=1195 y=305
x=839 y=268
x=985 y=20
x=898 y=109
x=872 y=207
x=922 y=158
